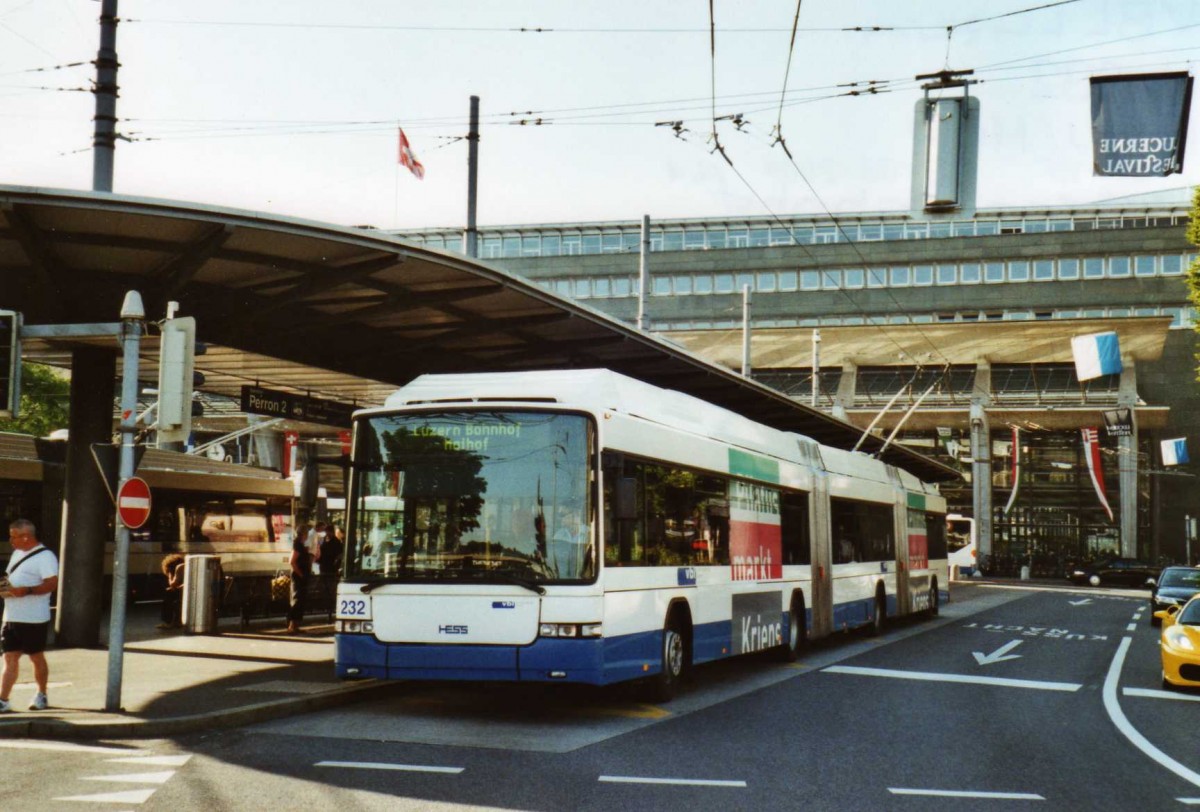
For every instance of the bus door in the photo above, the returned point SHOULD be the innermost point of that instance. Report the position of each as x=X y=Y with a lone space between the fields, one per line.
x=821 y=600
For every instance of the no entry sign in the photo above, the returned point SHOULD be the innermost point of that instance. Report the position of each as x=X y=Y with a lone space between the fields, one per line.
x=133 y=502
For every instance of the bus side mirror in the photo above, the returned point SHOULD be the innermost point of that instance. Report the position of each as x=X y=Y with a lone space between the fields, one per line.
x=626 y=497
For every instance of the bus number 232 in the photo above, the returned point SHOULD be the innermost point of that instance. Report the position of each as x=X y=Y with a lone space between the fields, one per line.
x=353 y=608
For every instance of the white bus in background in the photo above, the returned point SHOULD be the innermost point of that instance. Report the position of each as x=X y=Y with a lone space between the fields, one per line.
x=962 y=553
x=582 y=526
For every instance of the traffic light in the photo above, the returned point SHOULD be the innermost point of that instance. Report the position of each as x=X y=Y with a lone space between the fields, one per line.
x=175 y=380
x=10 y=363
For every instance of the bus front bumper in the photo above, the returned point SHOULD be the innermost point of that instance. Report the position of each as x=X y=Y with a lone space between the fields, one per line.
x=361 y=656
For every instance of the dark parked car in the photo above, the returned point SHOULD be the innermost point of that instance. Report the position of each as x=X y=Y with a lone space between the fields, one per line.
x=1115 y=572
x=1175 y=587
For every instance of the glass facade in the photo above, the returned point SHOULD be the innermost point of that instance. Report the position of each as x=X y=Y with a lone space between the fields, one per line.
x=614 y=238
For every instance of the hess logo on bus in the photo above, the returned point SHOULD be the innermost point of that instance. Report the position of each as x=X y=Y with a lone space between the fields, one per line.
x=452 y=629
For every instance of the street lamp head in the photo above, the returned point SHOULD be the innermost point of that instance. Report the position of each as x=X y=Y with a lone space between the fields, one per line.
x=132 y=307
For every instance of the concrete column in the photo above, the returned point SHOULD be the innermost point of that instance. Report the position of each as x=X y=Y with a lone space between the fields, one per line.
x=847 y=386
x=87 y=507
x=1127 y=461
x=981 y=456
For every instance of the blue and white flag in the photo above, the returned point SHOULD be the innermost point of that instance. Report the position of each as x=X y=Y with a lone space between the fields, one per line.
x=1095 y=355
x=1174 y=452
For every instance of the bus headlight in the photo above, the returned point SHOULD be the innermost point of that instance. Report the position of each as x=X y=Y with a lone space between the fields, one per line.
x=354 y=627
x=570 y=630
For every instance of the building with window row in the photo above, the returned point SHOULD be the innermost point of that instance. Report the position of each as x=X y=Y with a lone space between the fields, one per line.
x=972 y=316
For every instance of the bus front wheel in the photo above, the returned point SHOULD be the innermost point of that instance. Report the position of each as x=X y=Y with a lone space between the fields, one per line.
x=665 y=685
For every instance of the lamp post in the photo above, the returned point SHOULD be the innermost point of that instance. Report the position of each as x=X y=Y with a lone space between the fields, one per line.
x=132 y=316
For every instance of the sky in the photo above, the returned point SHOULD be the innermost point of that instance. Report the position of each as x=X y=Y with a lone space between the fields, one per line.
x=291 y=107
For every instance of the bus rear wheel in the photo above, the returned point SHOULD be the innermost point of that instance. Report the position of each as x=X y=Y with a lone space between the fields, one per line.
x=665 y=685
x=878 y=616
x=797 y=634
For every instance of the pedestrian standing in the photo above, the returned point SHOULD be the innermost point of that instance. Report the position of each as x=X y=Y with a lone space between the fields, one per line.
x=32 y=577
x=330 y=558
x=301 y=565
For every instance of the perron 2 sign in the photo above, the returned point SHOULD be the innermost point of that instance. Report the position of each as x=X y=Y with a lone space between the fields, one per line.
x=1139 y=123
x=257 y=400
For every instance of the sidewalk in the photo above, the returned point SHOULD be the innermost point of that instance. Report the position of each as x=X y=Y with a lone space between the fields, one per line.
x=174 y=682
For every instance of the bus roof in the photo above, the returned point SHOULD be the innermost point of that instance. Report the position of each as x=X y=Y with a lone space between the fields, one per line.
x=599 y=390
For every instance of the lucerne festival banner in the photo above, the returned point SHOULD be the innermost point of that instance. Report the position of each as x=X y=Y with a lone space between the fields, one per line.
x=1139 y=123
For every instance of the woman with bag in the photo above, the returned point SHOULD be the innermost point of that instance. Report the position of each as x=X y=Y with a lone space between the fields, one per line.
x=301 y=564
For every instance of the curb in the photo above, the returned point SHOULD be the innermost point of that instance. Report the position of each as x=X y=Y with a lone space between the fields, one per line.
x=126 y=727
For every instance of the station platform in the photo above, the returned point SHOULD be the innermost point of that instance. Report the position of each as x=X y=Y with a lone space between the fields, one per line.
x=175 y=682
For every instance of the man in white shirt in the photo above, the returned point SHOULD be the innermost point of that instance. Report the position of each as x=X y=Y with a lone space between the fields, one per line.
x=32 y=577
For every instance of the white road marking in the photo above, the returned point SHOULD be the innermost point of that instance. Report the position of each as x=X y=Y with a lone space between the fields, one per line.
x=374 y=765
x=155 y=761
x=1152 y=693
x=1083 y=602
x=950 y=793
x=1118 y=718
x=930 y=677
x=999 y=655
x=65 y=747
x=134 y=778
x=1132 y=627
x=683 y=782
x=130 y=796
x=1189 y=801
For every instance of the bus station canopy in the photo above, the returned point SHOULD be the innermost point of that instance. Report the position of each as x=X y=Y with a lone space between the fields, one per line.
x=341 y=313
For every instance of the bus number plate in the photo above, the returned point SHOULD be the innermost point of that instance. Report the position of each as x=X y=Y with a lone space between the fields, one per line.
x=352 y=608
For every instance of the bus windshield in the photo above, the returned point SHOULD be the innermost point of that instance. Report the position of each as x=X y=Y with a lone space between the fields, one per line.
x=472 y=496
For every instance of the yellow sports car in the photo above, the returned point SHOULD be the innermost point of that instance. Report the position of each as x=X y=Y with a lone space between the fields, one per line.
x=1181 y=644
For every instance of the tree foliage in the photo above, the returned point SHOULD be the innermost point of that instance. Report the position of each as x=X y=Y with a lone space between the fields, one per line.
x=45 y=402
x=1193 y=274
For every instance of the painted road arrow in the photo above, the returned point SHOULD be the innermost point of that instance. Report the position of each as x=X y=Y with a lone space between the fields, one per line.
x=1080 y=603
x=999 y=655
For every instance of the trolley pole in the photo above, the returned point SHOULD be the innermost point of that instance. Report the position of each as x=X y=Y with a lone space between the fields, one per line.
x=816 y=366
x=471 y=236
x=745 y=331
x=132 y=315
x=644 y=273
x=104 y=140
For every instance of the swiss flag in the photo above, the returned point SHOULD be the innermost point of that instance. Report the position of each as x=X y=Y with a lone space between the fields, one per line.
x=408 y=159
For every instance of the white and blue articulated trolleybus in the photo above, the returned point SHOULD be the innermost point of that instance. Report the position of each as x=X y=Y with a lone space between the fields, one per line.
x=582 y=526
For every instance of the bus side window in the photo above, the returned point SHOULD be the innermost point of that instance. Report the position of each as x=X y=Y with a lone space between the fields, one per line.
x=623 y=536
x=793 y=522
x=935 y=532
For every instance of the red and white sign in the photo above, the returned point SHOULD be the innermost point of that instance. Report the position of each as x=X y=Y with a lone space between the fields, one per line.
x=133 y=502
x=755 y=541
